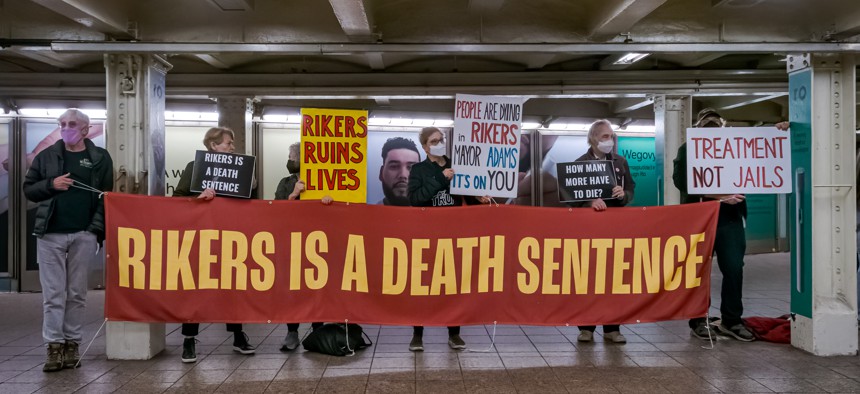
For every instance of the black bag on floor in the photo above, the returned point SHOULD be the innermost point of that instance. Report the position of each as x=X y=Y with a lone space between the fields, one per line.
x=332 y=339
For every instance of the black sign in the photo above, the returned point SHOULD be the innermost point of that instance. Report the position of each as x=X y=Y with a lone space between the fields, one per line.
x=585 y=180
x=227 y=173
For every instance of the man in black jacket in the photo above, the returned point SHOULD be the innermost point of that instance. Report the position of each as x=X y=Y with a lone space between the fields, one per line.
x=67 y=180
x=729 y=242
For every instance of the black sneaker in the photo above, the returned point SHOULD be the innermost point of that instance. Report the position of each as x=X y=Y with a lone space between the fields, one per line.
x=71 y=358
x=417 y=344
x=189 y=350
x=241 y=345
x=456 y=343
x=702 y=332
x=55 y=357
x=737 y=331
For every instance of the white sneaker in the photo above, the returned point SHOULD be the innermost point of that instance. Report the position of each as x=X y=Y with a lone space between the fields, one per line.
x=585 y=336
x=614 y=337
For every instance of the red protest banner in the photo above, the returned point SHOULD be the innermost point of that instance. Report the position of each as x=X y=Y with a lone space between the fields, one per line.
x=228 y=260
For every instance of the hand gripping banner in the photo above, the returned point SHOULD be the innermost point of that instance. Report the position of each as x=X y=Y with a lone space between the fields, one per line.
x=256 y=261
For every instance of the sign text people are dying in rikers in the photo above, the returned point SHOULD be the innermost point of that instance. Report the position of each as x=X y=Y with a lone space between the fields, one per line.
x=334 y=154
x=749 y=160
x=486 y=145
x=229 y=174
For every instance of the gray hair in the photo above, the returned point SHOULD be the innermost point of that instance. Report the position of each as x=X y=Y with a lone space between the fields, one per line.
x=294 y=147
x=76 y=114
x=592 y=131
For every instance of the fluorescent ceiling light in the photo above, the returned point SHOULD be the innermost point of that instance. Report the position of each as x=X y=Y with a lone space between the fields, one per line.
x=282 y=118
x=183 y=115
x=638 y=129
x=530 y=125
x=631 y=58
x=375 y=121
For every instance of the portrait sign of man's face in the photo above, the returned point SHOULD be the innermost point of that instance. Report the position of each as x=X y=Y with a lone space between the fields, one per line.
x=394 y=175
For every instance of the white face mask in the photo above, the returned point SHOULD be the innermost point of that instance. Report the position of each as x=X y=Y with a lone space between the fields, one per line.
x=438 y=149
x=605 y=146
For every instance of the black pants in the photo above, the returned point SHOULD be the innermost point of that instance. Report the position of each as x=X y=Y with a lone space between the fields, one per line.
x=452 y=330
x=606 y=328
x=294 y=327
x=730 y=246
x=192 y=329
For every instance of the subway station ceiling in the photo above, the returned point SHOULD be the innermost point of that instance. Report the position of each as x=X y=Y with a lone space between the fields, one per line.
x=570 y=57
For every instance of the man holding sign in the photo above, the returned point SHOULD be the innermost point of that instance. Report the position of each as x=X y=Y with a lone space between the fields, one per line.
x=601 y=140
x=730 y=242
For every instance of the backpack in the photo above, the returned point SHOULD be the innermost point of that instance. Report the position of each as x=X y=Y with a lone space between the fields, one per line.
x=332 y=339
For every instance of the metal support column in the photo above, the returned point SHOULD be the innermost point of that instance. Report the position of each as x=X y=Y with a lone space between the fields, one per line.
x=822 y=99
x=236 y=114
x=672 y=116
x=135 y=140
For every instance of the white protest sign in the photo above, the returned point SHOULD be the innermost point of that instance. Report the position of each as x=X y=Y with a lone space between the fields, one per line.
x=746 y=160
x=486 y=145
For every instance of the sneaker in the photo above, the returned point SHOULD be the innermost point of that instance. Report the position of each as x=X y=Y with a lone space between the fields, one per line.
x=585 y=336
x=189 y=350
x=241 y=345
x=55 y=357
x=737 y=331
x=417 y=344
x=614 y=337
x=702 y=332
x=456 y=343
x=291 y=342
x=71 y=358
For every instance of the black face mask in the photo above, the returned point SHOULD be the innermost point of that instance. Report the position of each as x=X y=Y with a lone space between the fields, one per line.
x=293 y=166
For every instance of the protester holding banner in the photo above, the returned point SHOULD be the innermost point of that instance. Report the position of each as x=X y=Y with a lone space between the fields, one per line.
x=290 y=188
x=67 y=180
x=601 y=141
x=729 y=245
x=430 y=186
x=217 y=139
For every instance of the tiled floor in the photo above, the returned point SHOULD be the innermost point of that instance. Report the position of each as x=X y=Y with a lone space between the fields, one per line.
x=659 y=357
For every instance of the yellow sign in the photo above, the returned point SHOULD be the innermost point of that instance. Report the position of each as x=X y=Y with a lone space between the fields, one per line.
x=334 y=154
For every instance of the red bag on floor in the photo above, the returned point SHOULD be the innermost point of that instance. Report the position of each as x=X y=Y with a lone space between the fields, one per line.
x=770 y=329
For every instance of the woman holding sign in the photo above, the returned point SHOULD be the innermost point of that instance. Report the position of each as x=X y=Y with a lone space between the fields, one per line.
x=601 y=141
x=430 y=186
x=290 y=188
x=220 y=140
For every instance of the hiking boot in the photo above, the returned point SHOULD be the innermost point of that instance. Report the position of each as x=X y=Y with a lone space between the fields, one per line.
x=585 y=336
x=456 y=343
x=417 y=344
x=71 y=358
x=241 y=345
x=55 y=357
x=291 y=342
x=614 y=337
x=737 y=331
x=702 y=332
x=189 y=350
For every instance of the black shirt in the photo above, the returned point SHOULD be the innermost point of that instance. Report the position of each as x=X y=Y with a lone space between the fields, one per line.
x=73 y=207
x=428 y=186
